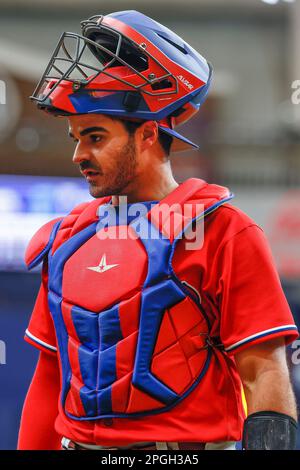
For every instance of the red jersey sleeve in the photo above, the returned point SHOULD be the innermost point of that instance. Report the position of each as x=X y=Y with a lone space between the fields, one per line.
x=40 y=332
x=252 y=305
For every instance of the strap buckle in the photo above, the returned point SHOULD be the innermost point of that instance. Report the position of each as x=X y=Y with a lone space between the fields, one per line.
x=212 y=342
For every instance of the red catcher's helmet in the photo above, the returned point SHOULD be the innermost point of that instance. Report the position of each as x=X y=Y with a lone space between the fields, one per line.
x=125 y=64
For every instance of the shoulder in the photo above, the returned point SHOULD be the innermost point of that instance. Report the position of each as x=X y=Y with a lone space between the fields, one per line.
x=229 y=222
x=234 y=217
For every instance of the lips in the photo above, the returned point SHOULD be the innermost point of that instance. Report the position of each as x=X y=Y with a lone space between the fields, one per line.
x=90 y=174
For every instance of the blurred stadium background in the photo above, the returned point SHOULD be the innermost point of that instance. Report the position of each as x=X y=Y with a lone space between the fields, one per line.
x=248 y=129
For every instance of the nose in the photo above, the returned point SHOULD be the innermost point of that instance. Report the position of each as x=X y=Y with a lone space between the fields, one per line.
x=80 y=154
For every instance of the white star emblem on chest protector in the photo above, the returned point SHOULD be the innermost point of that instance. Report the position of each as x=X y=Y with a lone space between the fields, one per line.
x=102 y=267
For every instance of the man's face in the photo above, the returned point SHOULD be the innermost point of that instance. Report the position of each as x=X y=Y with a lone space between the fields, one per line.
x=105 y=153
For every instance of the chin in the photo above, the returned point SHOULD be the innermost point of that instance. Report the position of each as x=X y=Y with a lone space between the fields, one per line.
x=115 y=189
x=96 y=191
x=100 y=191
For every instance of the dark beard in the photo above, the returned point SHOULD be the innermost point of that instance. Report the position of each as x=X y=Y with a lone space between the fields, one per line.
x=125 y=172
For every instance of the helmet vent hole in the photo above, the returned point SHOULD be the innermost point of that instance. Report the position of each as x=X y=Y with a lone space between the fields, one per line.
x=178 y=112
x=162 y=85
x=180 y=48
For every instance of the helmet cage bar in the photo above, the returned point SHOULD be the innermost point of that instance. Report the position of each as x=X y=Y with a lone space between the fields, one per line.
x=79 y=55
x=81 y=44
x=91 y=21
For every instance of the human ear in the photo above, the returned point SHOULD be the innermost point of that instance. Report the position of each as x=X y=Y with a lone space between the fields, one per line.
x=148 y=134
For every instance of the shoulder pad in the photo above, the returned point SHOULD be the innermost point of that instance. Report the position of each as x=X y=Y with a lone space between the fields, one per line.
x=216 y=193
x=71 y=218
x=41 y=243
x=211 y=194
x=79 y=218
x=73 y=223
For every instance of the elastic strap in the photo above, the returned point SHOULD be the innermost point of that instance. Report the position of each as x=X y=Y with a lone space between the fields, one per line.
x=269 y=430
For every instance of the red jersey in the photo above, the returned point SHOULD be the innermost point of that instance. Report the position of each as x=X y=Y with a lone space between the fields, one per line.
x=233 y=274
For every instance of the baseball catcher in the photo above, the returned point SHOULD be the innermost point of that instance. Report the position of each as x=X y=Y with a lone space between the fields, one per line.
x=159 y=302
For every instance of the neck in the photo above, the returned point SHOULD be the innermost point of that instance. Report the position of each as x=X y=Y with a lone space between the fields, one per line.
x=152 y=185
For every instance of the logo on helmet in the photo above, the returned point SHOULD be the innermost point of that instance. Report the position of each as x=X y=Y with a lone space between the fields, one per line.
x=185 y=82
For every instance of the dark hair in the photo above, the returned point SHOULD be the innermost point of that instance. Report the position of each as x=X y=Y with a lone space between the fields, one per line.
x=165 y=140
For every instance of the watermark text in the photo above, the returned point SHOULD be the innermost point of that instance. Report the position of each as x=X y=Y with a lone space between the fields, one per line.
x=296 y=353
x=296 y=94
x=2 y=352
x=161 y=221
x=2 y=92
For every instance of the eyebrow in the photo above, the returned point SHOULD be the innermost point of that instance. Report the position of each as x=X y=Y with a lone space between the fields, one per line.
x=88 y=130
